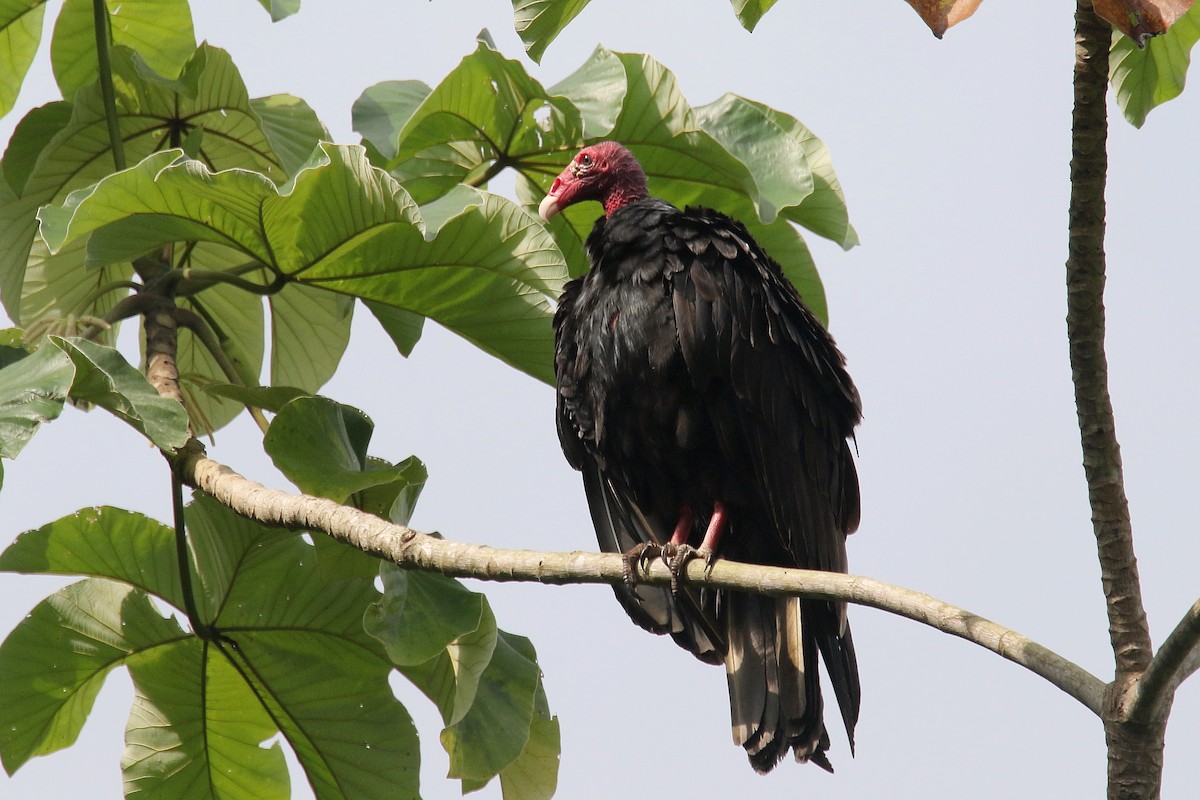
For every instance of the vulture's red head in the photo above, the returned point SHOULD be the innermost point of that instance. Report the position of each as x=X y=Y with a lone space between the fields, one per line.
x=606 y=172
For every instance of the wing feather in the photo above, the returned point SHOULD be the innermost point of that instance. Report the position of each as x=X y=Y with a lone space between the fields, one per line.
x=782 y=404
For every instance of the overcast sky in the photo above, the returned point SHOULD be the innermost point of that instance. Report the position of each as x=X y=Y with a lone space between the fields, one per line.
x=953 y=156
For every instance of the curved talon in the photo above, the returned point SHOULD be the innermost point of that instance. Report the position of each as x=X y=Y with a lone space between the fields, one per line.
x=635 y=558
x=679 y=557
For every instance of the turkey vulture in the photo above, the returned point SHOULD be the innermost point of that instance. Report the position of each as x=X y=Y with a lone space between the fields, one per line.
x=710 y=413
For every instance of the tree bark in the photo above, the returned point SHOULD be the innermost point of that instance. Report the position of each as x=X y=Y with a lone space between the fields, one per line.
x=1134 y=750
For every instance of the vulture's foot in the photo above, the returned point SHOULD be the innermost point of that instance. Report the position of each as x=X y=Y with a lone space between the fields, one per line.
x=677 y=556
x=637 y=558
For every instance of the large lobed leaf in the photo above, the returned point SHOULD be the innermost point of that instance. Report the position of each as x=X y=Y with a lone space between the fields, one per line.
x=53 y=663
x=292 y=657
x=735 y=154
x=64 y=147
x=474 y=262
x=1145 y=77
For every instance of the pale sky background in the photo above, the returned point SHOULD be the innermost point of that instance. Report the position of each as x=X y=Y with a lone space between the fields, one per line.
x=953 y=156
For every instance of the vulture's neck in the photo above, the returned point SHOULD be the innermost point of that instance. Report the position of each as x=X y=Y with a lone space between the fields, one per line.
x=623 y=193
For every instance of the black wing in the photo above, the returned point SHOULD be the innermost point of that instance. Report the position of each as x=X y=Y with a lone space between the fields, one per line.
x=619 y=522
x=782 y=407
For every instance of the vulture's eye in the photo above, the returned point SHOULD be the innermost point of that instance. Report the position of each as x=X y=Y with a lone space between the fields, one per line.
x=585 y=160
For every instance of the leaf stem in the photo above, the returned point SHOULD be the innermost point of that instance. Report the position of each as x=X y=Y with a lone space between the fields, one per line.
x=183 y=560
x=93 y=296
x=195 y=280
x=107 y=91
x=495 y=169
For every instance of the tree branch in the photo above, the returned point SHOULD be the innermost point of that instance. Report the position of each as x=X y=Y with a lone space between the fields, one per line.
x=413 y=549
x=1135 y=749
x=1128 y=631
x=161 y=346
x=1178 y=658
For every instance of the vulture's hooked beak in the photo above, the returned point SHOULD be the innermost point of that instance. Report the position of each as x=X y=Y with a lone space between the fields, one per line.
x=549 y=205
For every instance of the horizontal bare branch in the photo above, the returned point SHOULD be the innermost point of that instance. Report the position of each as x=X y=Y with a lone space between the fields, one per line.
x=409 y=548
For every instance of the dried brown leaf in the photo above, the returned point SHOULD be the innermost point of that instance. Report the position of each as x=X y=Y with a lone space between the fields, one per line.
x=940 y=15
x=1141 y=19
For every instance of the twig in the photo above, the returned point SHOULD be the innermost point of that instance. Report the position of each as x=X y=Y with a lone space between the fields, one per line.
x=412 y=549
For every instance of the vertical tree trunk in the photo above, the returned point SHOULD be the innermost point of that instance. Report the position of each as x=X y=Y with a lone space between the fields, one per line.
x=1134 y=751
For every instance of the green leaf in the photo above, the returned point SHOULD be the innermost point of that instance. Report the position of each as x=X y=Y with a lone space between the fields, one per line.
x=209 y=96
x=159 y=31
x=538 y=22
x=380 y=112
x=334 y=706
x=749 y=12
x=1147 y=77
x=29 y=139
x=824 y=211
x=666 y=134
x=310 y=329
x=411 y=635
x=32 y=391
x=12 y=346
x=534 y=775
x=487 y=110
x=194 y=730
x=101 y=542
x=735 y=155
x=105 y=378
x=485 y=682
x=280 y=9
x=54 y=661
x=598 y=90
x=402 y=327
x=236 y=320
x=777 y=162
x=396 y=500
x=321 y=446
x=485 y=272
x=292 y=128
x=295 y=611
x=20 y=32
x=270 y=398
x=495 y=731
x=292 y=655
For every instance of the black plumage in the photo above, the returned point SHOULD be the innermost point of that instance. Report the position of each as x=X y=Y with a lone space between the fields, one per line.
x=693 y=381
